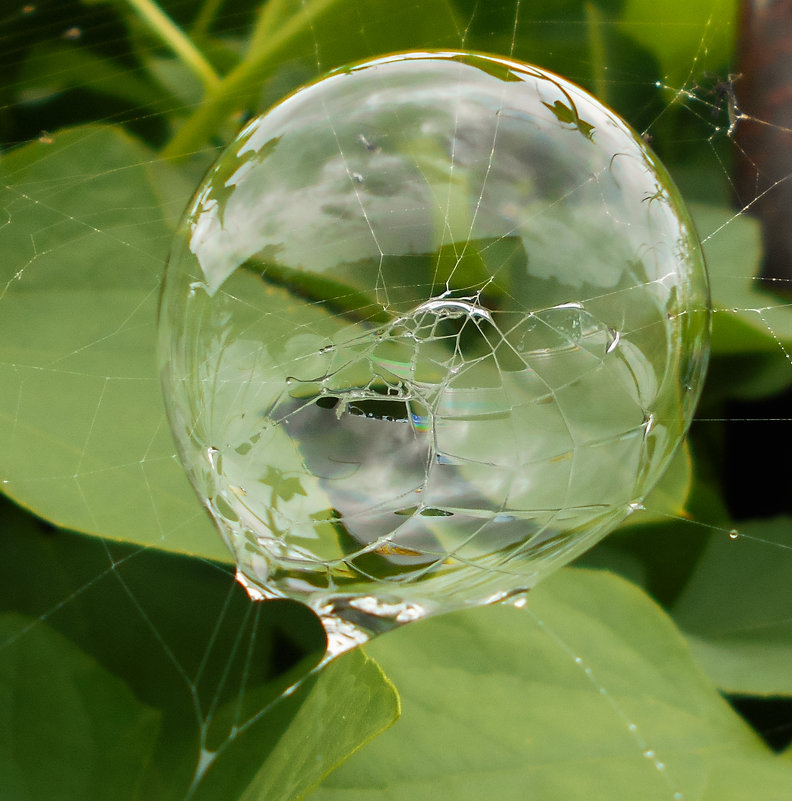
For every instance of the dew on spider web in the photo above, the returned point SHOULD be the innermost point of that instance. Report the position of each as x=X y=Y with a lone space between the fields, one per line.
x=425 y=340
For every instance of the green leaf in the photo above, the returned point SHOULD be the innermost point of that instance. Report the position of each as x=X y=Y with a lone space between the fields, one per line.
x=669 y=494
x=54 y=67
x=687 y=38
x=497 y=705
x=301 y=39
x=746 y=317
x=352 y=703
x=68 y=727
x=737 y=609
x=83 y=436
x=740 y=778
x=747 y=376
x=208 y=665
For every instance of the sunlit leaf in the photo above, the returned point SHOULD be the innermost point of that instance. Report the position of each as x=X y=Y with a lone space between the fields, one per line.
x=160 y=675
x=737 y=609
x=541 y=703
x=84 y=438
x=747 y=316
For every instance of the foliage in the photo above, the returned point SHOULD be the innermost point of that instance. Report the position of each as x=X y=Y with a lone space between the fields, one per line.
x=132 y=665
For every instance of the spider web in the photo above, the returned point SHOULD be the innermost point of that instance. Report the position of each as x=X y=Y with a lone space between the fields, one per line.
x=713 y=113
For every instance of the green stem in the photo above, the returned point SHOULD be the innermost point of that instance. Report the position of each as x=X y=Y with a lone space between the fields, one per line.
x=271 y=14
x=206 y=16
x=174 y=38
x=596 y=45
x=236 y=88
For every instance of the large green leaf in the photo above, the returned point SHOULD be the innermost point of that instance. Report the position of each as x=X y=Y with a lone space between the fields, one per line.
x=687 y=38
x=68 y=728
x=54 y=67
x=83 y=436
x=589 y=692
x=747 y=317
x=737 y=609
x=167 y=655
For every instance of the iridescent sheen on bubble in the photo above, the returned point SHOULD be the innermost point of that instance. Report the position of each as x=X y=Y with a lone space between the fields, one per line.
x=431 y=327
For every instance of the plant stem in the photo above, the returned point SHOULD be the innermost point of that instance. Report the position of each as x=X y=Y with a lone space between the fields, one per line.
x=596 y=45
x=269 y=16
x=206 y=16
x=174 y=38
x=245 y=78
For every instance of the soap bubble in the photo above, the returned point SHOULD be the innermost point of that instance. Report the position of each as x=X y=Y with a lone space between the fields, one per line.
x=431 y=327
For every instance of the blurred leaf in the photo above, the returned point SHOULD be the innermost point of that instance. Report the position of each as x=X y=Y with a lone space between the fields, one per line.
x=687 y=38
x=737 y=609
x=84 y=438
x=496 y=705
x=747 y=376
x=337 y=31
x=53 y=67
x=68 y=728
x=196 y=653
x=299 y=41
x=171 y=74
x=746 y=317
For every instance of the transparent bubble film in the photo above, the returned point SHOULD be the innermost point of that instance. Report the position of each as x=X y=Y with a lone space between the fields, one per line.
x=431 y=326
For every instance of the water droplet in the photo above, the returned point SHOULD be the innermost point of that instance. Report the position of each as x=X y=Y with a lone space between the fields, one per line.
x=649 y=753
x=455 y=384
x=734 y=534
